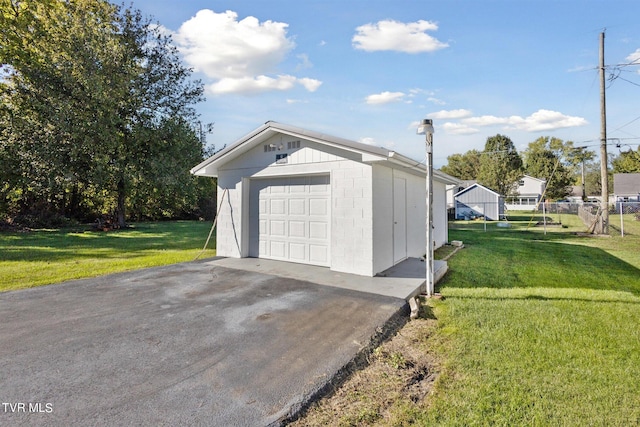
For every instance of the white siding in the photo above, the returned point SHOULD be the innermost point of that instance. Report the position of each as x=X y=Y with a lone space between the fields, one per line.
x=361 y=202
x=352 y=219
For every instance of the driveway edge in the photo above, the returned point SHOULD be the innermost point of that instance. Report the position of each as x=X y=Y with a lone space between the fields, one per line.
x=360 y=360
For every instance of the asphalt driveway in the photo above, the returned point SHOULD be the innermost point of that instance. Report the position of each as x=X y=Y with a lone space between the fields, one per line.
x=187 y=344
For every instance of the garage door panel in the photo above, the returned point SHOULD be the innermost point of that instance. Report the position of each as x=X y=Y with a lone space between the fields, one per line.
x=277 y=249
x=263 y=230
x=263 y=207
x=292 y=219
x=297 y=229
x=297 y=206
x=298 y=252
x=277 y=228
x=278 y=207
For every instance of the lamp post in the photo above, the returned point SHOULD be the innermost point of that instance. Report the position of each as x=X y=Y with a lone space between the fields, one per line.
x=426 y=128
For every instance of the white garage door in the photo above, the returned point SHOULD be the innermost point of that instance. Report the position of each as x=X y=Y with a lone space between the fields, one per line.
x=289 y=219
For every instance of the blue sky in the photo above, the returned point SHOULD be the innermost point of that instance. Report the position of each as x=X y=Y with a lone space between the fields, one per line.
x=371 y=70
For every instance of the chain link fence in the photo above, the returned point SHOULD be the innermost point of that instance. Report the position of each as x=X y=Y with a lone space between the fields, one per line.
x=624 y=217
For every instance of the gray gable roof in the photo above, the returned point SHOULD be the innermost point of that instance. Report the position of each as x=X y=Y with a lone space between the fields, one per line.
x=626 y=184
x=476 y=186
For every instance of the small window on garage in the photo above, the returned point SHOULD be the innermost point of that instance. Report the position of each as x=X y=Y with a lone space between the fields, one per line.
x=293 y=145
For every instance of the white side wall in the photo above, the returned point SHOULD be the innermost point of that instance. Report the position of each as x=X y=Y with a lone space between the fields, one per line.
x=416 y=215
x=352 y=219
x=440 y=219
x=229 y=229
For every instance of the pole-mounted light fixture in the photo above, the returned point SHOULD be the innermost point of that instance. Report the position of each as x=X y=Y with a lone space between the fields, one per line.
x=426 y=128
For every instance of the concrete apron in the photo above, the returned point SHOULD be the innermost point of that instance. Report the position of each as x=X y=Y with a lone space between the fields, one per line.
x=404 y=280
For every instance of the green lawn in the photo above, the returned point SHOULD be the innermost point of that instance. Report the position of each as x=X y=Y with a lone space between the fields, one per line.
x=537 y=329
x=50 y=256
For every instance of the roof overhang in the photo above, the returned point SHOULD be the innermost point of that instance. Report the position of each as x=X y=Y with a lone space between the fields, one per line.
x=369 y=153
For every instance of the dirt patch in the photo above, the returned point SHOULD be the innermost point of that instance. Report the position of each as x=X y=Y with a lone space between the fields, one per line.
x=397 y=379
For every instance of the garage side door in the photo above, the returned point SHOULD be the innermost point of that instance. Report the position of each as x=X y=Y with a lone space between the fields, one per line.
x=289 y=219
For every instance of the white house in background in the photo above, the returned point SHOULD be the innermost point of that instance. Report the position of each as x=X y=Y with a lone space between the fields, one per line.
x=478 y=201
x=296 y=195
x=626 y=187
x=529 y=191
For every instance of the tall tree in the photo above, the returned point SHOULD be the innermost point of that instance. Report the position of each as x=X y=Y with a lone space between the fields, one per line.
x=87 y=85
x=500 y=165
x=627 y=162
x=464 y=166
x=544 y=160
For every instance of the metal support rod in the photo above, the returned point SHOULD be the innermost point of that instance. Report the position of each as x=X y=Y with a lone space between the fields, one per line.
x=429 y=223
x=426 y=128
x=621 y=219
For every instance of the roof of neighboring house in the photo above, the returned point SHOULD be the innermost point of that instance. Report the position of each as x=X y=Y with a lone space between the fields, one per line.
x=476 y=185
x=534 y=178
x=626 y=184
x=370 y=154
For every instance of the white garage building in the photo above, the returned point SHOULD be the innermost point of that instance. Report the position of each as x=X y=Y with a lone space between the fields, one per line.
x=290 y=194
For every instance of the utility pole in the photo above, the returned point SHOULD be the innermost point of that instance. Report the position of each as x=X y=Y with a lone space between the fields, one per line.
x=604 y=172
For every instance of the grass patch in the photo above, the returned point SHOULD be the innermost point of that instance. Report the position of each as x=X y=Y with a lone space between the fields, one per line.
x=538 y=330
x=50 y=256
x=533 y=329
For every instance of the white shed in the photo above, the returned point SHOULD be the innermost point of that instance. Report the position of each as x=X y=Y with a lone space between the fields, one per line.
x=300 y=196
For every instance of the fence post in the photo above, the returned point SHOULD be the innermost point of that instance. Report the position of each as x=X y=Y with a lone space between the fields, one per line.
x=484 y=215
x=544 y=217
x=621 y=219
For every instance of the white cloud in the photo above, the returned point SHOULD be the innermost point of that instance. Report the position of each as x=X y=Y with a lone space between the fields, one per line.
x=304 y=61
x=368 y=141
x=385 y=98
x=220 y=46
x=458 y=129
x=397 y=36
x=486 y=121
x=449 y=114
x=310 y=84
x=239 y=54
x=634 y=58
x=541 y=120
x=259 y=84
x=436 y=101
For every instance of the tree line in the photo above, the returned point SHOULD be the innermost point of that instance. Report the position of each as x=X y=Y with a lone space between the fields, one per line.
x=499 y=166
x=96 y=116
